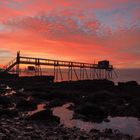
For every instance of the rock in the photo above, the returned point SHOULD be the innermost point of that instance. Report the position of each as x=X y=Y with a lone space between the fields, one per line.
x=133 y=111
x=79 y=116
x=135 y=102
x=29 y=128
x=129 y=86
x=99 y=96
x=108 y=131
x=94 y=131
x=83 y=137
x=5 y=101
x=86 y=85
x=92 y=111
x=8 y=112
x=117 y=101
x=55 y=103
x=3 y=136
x=106 y=120
x=119 y=110
x=45 y=115
x=24 y=104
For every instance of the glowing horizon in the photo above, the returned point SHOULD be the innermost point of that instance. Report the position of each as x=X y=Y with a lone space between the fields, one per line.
x=82 y=30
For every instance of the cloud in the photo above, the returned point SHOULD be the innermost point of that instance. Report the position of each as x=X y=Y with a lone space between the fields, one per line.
x=81 y=30
x=4 y=53
x=56 y=26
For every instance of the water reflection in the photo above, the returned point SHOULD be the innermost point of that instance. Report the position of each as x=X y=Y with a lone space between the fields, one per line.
x=126 y=125
x=40 y=107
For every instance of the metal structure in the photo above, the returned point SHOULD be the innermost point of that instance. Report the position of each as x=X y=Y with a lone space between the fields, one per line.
x=81 y=71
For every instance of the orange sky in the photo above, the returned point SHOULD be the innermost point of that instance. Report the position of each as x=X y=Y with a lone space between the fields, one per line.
x=78 y=30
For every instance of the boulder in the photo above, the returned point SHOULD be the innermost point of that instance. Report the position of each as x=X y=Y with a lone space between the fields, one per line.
x=8 y=112
x=129 y=84
x=99 y=96
x=128 y=90
x=55 y=103
x=44 y=115
x=93 y=112
x=136 y=102
x=5 y=101
x=24 y=104
x=119 y=110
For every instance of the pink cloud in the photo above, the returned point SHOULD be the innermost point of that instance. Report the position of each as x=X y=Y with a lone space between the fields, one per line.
x=69 y=30
x=117 y=47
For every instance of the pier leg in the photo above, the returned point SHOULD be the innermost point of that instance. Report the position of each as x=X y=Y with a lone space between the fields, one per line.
x=80 y=73
x=17 y=69
x=54 y=70
x=57 y=73
x=90 y=71
x=86 y=73
x=83 y=71
x=70 y=73
x=60 y=74
x=75 y=73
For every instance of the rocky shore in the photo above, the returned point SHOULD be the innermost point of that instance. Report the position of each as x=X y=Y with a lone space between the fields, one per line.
x=93 y=100
x=20 y=129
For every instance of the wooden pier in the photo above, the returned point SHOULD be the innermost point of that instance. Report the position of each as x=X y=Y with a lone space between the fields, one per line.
x=82 y=71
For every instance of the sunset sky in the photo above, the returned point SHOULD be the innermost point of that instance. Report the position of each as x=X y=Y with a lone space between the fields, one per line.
x=76 y=30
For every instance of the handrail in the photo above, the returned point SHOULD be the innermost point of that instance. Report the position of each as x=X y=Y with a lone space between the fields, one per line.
x=60 y=62
x=10 y=63
x=41 y=61
x=55 y=60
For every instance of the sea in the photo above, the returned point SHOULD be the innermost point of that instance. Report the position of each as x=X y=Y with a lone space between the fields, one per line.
x=127 y=75
x=123 y=75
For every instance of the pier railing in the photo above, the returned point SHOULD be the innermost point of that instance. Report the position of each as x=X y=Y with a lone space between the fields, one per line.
x=86 y=70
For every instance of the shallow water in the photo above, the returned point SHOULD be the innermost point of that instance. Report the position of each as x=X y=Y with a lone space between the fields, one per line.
x=40 y=107
x=126 y=125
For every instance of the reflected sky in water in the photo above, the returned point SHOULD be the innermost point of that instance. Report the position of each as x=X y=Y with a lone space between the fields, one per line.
x=126 y=125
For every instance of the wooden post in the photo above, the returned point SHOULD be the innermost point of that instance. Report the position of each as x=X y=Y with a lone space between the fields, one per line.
x=17 y=62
